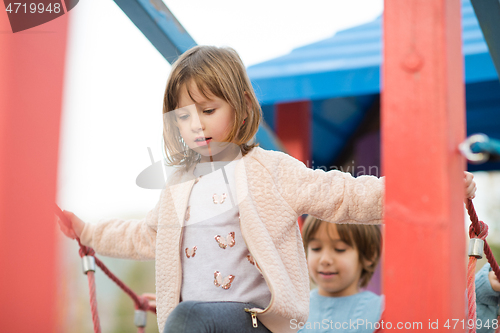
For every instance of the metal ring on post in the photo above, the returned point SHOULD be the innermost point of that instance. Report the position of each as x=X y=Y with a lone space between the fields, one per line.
x=476 y=248
x=475 y=158
x=140 y=318
x=88 y=264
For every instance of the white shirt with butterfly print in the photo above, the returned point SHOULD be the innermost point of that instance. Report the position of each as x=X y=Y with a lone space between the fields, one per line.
x=216 y=263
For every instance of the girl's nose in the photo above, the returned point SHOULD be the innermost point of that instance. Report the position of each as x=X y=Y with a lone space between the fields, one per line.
x=196 y=123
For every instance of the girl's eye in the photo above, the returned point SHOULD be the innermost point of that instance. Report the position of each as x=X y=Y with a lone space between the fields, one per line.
x=183 y=117
x=340 y=250
x=315 y=249
x=209 y=111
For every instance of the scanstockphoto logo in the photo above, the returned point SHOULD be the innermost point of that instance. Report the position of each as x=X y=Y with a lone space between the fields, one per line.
x=218 y=189
x=152 y=177
x=24 y=15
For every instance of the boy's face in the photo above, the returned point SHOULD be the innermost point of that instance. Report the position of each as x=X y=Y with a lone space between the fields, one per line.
x=204 y=125
x=333 y=265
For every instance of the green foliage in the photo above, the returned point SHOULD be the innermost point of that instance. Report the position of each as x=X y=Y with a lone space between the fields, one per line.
x=495 y=249
x=140 y=278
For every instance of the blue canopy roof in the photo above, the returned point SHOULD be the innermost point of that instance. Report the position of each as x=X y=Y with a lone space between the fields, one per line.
x=348 y=65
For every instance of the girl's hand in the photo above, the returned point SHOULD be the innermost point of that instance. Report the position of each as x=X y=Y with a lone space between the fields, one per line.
x=151 y=298
x=495 y=284
x=75 y=229
x=470 y=185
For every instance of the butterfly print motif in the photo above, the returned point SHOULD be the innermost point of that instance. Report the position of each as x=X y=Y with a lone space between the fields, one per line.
x=224 y=283
x=251 y=259
x=222 y=198
x=225 y=242
x=191 y=252
x=253 y=262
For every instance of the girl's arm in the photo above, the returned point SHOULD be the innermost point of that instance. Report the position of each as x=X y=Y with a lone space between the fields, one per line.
x=487 y=298
x=336 y=196
x=132 y=239
x=332 y=196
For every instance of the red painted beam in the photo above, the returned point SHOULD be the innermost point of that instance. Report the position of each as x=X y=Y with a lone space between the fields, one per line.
x=31 y=84
x=423 y=121
x=293 y=128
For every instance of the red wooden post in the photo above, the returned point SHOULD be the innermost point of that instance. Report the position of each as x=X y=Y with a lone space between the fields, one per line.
x=293 y=128
x=423 y=121
x=31 y=83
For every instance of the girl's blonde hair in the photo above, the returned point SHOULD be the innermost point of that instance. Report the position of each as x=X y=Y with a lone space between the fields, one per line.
x=215 y=72
x=366 y=238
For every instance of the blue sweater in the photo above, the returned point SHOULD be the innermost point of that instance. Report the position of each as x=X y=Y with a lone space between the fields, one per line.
x=356 y=313
x=486 y=301
x=359 y=312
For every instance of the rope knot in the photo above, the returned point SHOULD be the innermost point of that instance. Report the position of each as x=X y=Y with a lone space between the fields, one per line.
x=86 y=251
x=483 y=231
x=143 y=303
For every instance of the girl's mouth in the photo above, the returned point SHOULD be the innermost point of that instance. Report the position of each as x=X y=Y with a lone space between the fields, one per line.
x=202 y=141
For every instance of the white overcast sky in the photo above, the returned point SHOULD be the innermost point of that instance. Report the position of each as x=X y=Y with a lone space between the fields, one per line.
x=115 y=81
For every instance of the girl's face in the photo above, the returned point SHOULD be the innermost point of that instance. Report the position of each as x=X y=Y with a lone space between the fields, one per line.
x=333 y=265
x=204 y=125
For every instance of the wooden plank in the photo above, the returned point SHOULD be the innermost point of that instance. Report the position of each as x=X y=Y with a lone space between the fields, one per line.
x=423 y=121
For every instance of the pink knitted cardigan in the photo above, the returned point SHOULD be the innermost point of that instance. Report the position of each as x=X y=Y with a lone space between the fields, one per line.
x=273 y=189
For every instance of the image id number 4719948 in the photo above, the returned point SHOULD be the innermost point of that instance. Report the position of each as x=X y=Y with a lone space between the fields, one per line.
x=33 y=8
x=463 y=324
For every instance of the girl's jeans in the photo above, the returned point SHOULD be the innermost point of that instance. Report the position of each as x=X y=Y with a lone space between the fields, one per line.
x=212 y=317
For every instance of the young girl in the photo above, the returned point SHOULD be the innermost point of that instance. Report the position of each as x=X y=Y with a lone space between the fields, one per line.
x=341 y=259
x=224 y=233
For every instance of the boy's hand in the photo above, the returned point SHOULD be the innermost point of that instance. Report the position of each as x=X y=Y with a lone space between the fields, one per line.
x=75 y=229
x=470 y=185
x=495 y=284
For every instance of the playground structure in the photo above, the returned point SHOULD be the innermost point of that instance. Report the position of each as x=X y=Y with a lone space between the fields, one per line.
x=422 y=115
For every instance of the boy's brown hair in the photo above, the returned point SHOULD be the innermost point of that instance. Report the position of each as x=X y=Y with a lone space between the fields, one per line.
x=215 y=72
x=366 y=238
